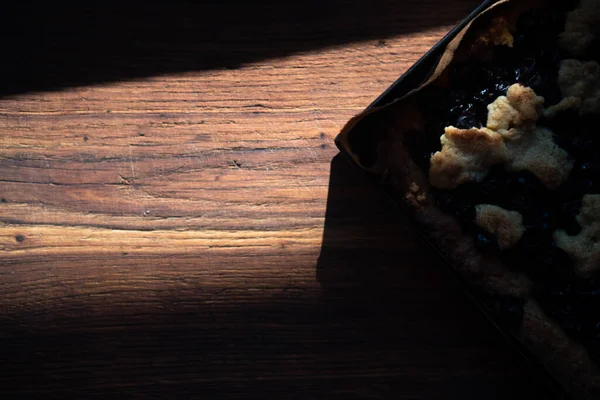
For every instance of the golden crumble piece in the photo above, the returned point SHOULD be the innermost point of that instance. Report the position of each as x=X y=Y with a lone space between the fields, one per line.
x=415 y=192
x=584 y=248
x=582 y=80
x=506 y=225
x=580 y=27
x=466 y=155
x=563 y=105
x=498 y=34
x=511 y=114
x=536 y=152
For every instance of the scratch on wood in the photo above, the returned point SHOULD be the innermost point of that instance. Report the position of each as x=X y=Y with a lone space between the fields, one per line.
x=131 y=162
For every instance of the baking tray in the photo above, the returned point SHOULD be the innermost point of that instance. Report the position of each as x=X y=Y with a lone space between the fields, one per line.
x=416 y=75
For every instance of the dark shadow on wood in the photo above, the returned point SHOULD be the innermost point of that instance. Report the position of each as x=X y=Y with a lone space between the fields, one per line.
x=385 y=289
x=53 y=46
x=390 y=322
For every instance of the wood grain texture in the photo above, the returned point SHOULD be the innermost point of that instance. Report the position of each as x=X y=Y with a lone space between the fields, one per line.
x=186 y=232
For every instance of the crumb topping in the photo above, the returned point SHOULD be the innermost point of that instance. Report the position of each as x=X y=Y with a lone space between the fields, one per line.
x=581 y=80
x=516 y=112
x=580 y=26
x=584 y=248
x=415 y=192
x=510 y=137
x=563 y=105
x=498 y=34
x=466 y=155
x=506 y=225
x=537 y=152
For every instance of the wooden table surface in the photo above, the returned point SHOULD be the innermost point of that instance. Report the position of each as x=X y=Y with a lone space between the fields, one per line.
x=176 y=222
